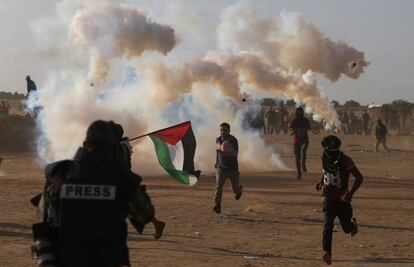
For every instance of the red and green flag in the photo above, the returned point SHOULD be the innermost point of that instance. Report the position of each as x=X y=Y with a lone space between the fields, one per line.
x=175 y=148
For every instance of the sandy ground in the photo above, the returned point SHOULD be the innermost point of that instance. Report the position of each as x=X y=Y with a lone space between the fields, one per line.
x=278 y=221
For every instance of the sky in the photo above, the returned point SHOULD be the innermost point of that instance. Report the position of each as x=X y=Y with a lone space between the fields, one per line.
x=381 y=29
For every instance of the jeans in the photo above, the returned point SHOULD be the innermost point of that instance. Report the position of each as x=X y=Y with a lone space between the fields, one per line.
x=221 y=177
x=300 y=155
x=332 y=209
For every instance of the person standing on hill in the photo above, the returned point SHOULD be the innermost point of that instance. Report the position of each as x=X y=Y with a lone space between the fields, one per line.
x=31 y=86
x=337 y=168
x=381 y=135
x=300 y=127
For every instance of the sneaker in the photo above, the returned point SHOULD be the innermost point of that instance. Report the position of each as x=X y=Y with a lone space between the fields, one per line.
x=355 y=230
x=217 y=208
x=327 y=258
x=238 y=195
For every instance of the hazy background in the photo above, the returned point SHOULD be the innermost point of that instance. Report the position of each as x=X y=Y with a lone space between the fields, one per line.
x=381 y=29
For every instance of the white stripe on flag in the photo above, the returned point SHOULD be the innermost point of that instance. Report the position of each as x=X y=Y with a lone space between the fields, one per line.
x=177 y=155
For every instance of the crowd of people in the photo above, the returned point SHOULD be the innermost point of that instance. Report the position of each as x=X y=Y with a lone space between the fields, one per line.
x=275 y=120
x=86 y=200
x=352 y=124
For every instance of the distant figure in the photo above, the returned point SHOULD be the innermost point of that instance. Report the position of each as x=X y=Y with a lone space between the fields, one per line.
x=337 y=168
x=365 y=122
x=262 y=120
x=300 y=127
x=282 y=119
x=381 y=135
x=345 y=122
x=227 y=166
x=271 y=121
x=31 y=86
x=353 y=124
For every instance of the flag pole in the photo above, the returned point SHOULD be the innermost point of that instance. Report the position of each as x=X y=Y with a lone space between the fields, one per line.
x=135 y=138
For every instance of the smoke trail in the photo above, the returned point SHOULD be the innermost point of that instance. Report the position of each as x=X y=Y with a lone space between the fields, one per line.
x=116 y=31
x=288 y=41
x=227 y=72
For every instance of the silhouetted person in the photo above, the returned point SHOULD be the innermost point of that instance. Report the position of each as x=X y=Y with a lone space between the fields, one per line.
x=271 y=121
x=282 y=115
x=381 y=135
x=345 y=122
x=31 y=86
x=353 y=122
x=300 y=127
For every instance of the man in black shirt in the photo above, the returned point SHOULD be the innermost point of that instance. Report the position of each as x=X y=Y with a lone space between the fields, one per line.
x=365 y=122
x=337 y=168
x=381 y=135
x=226 y=165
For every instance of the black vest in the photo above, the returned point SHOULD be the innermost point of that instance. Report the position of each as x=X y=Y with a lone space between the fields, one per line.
x=93 y=205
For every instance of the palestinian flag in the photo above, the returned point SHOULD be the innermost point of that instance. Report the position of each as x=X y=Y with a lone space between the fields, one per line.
x=175 y=147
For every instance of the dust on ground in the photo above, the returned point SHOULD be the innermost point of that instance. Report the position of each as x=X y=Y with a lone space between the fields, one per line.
x=277 y=222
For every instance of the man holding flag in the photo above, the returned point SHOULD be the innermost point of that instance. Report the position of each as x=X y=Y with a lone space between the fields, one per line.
x=226 y=165
x=175 y=148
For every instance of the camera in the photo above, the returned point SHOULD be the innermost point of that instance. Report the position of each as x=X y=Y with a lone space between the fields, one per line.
x=43 y=249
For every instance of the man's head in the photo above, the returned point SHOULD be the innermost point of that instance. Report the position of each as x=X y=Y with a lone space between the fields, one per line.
x=101 y=137
x=28 y=78
x=224 y=129
x=379 y=121
x=331 y=143
x=299 y=112
x=118 y=130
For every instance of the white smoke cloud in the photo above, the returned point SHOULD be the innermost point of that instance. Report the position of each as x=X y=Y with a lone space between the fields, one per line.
x=106 y=43
x=229 y=72
x=117 y=31
x=288 y=41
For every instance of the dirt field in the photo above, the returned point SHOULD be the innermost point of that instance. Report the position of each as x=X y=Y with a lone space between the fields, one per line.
x=278 y=221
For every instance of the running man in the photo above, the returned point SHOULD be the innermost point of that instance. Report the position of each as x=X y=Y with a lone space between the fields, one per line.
x=337 y=167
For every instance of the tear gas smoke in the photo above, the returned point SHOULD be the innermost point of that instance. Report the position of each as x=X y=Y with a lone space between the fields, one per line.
x=116 y=31
x=105 y=44
x=288 y=41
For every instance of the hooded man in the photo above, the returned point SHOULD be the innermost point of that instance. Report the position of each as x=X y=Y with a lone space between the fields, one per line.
x=337 y=168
